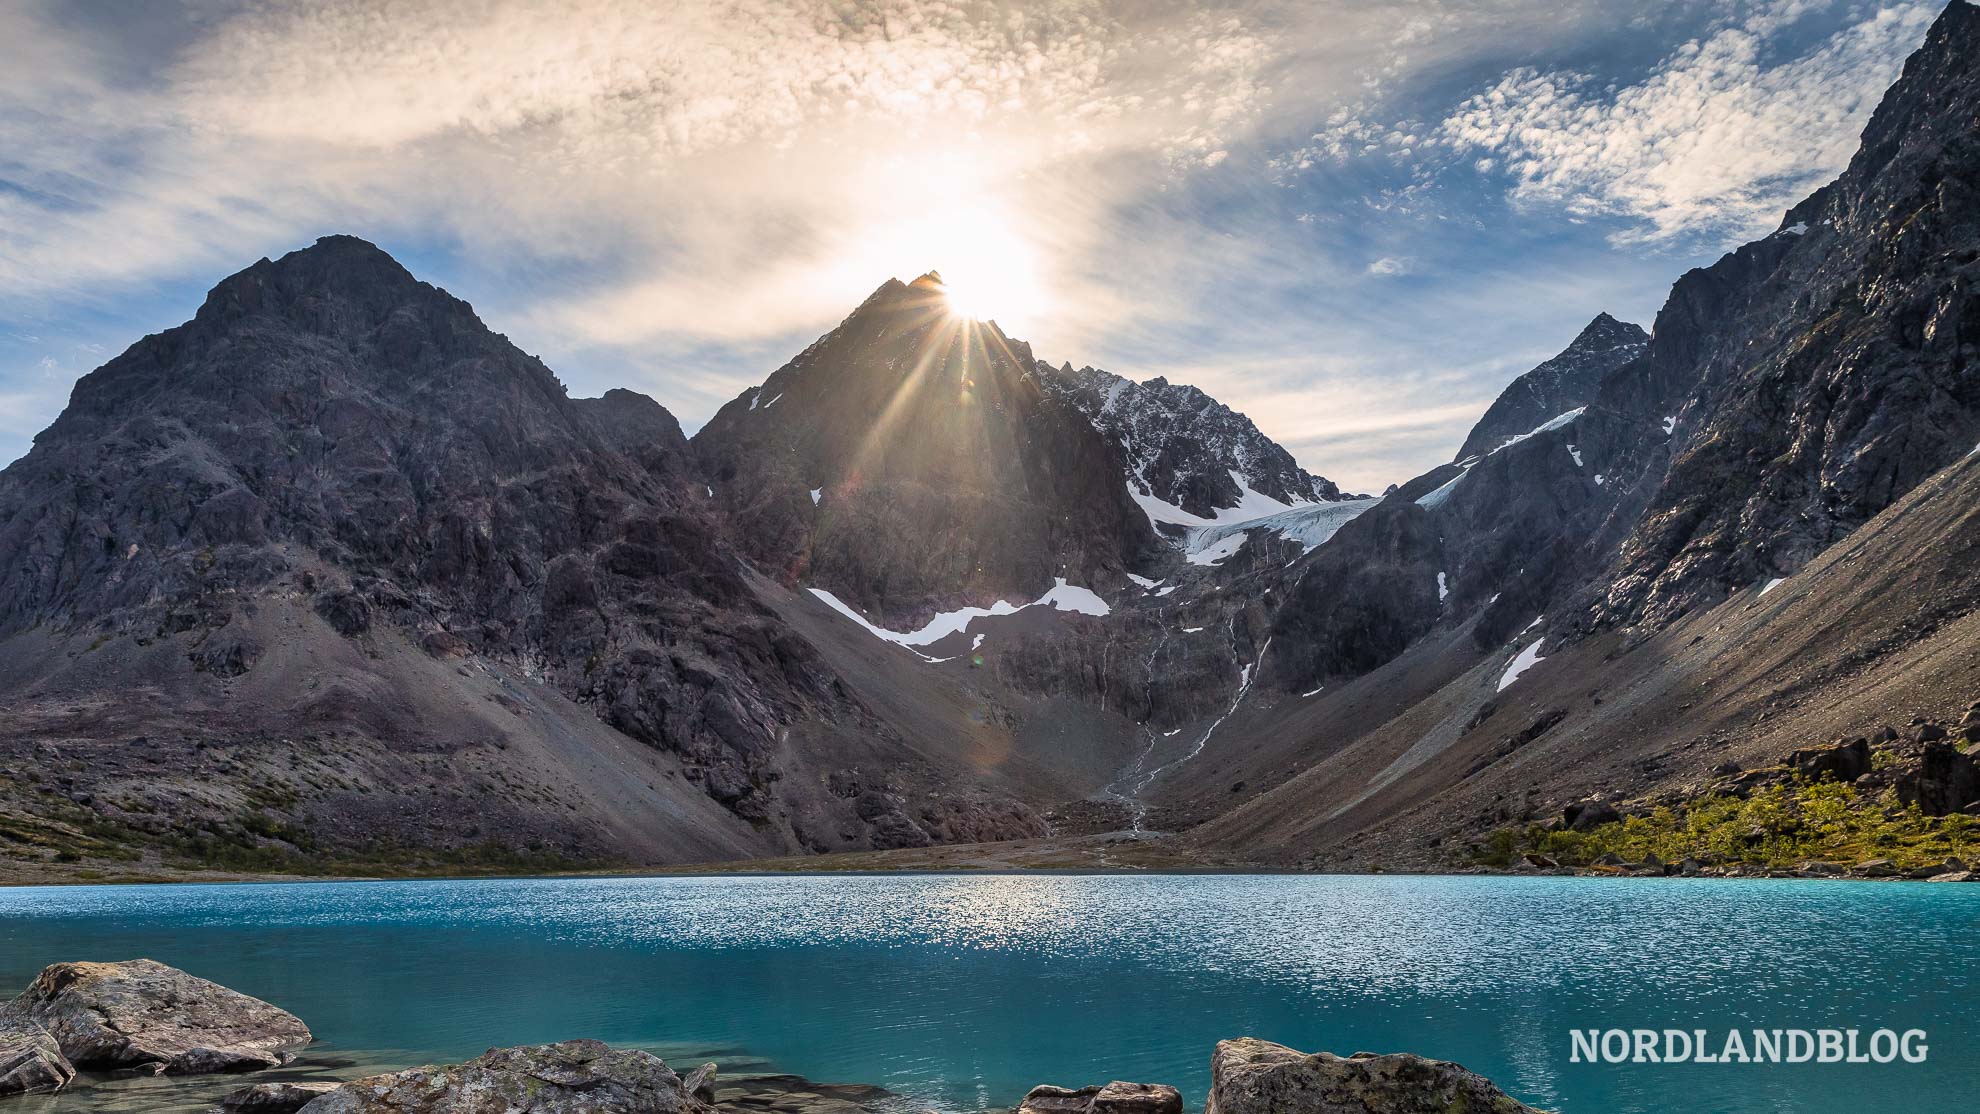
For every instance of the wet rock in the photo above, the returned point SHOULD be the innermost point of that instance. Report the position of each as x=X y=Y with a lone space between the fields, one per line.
x=30 y=1059
x=1257 y=1077
x=1115 y=1098
x=143 y=1015
x=572 y=1077
x=273 y=1098
x=792 y=1094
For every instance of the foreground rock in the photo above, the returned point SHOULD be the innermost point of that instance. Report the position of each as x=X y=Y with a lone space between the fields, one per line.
x=1257 y=1077
x=273 y=1098
x=793 y=1094
x=1114 y=1098
x=142 y=1015
x=30 y=1060
x=572 y=1077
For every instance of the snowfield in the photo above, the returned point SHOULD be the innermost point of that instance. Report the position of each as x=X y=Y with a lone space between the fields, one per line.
x=1525 y=660
x=1061 y=597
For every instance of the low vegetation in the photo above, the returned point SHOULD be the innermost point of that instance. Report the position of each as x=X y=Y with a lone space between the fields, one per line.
x=1777 y=827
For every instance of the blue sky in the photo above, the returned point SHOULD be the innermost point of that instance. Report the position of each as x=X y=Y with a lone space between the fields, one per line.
x=1353 y=221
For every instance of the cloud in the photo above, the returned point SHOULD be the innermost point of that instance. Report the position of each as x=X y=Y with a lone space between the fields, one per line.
x=1716 y=142
x=1723 y=134
x=676 y=197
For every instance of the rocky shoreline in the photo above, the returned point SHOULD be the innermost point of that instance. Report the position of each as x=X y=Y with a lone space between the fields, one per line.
x=143 y=1018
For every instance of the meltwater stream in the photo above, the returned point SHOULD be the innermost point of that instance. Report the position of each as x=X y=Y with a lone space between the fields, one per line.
x=960 y=992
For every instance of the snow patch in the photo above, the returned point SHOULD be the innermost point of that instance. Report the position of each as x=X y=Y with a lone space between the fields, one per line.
x=1218 y=551
x=1798 y=228
x=1598 y=479
x=1547 y=426
x=1526 y=659
x=1166 y=591
x=1670 y=423
x=1191 y=630
x=1061 y=597
x=772 y=402
x=1576 y=454
x=1311 y=525
x=1315 y=692
x=710 y=490
x=1772 y=584
x=1251 y=505
x=1443 y=590
x=1437 y=498
x=1072 y=597
x=816 y=492
x=1143 y=581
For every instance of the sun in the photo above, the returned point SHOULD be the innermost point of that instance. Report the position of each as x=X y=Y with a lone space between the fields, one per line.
x=990 y=269
x=975 y=300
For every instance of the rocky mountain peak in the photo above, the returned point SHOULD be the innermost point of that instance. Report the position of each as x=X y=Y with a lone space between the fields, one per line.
x=1569 y=380
x=909 y=461
x=1182 y=447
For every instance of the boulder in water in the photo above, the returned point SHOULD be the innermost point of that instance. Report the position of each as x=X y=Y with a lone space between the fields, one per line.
x=571 y=1077
x=273 y=1098
x=1115 y=1098
x=145 y=1016
x=1257 y=1077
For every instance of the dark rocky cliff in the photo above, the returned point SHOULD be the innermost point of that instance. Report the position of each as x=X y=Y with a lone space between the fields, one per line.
x=910 y=462
x=1563 y=383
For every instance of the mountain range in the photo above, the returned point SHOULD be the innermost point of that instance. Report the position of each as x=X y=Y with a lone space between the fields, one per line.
x=334 y=577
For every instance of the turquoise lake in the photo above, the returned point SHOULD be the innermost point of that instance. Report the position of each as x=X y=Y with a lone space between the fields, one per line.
x=960 y=992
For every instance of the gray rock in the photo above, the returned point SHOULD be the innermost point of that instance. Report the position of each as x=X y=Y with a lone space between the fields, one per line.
x=30 y=1059
x=143 y=1015
x=1250 y=1076
x=273 y=1098
x=571 y=1077
x=701 y=1083
x=1952 y=876
x=1115 y=1098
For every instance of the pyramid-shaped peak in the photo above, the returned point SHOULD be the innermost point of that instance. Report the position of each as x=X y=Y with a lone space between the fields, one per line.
x=1608 y=331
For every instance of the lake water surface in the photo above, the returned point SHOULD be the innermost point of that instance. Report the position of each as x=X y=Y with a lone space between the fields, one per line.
x=963 y=991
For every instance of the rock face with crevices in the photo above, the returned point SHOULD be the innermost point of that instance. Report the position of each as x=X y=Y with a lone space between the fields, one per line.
x=30 y=1059
x=143 y=1015
x=571 y=1077
x=1249 y=1076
